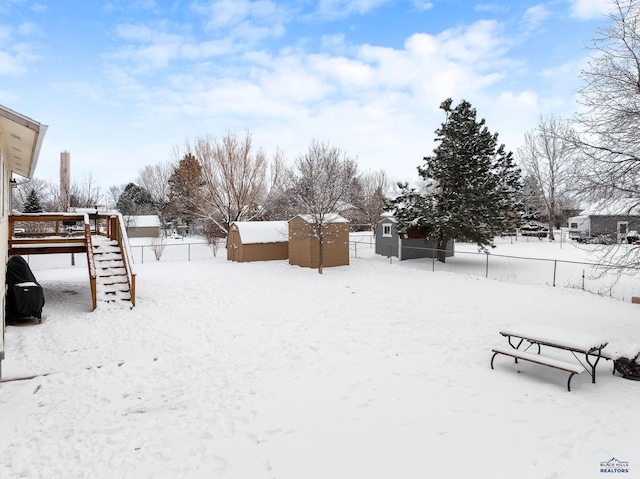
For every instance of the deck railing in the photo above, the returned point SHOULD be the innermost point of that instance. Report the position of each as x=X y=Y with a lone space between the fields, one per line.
x=115 y=231
x=48 y=233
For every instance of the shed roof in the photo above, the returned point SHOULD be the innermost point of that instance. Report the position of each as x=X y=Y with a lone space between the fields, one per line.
x=145 y=221
x=252 y=232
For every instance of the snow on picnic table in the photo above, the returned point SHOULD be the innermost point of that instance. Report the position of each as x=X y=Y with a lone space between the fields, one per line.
x=266 y=370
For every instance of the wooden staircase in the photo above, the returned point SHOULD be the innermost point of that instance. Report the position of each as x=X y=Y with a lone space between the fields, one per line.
x=112 y=284
x=103 y=238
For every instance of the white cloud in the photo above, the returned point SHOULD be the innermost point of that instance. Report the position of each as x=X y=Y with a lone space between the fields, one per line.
x=16 y=56
x=589 y=9
x=28 y=29
x=423 y=5
x=223 y=15
x=534 y=17
x=379 y=103
x=9 y=65
x=342 y=8
x=491 y=7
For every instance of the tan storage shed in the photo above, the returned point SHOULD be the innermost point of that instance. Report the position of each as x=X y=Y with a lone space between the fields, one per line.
x=143 y=226
x=257 y=241
x=304 y=244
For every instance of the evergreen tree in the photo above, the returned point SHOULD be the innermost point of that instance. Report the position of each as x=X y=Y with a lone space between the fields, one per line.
x=32 y=203
x=472 y=185
x=135 y=200
x=185 y=190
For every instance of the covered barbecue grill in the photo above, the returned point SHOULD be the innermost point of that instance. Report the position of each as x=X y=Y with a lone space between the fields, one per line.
x=25 y=297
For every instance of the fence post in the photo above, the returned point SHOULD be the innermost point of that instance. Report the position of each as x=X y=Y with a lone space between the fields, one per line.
x=555 y=267
x=142 y=254
x=189 y=251
x=486 y=270
x=355 y=248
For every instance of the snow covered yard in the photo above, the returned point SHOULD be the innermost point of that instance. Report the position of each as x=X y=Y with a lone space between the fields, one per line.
x=265 y=370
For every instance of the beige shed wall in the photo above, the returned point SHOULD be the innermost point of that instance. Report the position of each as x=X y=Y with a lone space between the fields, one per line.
x=304 y=246
x=143 y=231
x=240 y=252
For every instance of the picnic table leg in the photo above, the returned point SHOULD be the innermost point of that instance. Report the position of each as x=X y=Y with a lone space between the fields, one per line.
x=594 y=364
x=569 y=382
x=492 y=358
x=514 y=347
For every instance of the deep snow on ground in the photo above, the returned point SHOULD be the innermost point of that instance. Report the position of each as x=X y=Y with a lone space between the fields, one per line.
x=266 y=370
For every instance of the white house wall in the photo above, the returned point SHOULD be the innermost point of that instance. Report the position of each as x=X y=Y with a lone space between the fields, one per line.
x=4 y=238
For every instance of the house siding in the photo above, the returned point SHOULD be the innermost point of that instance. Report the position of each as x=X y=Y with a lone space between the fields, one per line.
x=608 y=225
x=405 y=248
x=387 y=245
x=4 y=238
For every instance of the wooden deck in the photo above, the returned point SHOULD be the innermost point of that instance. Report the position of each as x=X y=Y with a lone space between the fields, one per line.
x=60 y=233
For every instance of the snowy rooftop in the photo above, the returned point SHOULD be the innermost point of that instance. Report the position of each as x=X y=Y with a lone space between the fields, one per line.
x=145 y=221
x=329 y=218
x=624 y=206
x=252 y=232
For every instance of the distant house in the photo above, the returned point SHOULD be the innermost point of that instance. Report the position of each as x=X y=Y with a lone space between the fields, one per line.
x=607 y=221
x=143 y=226
x=410 y=245
x=304 y=244
x=257 y=241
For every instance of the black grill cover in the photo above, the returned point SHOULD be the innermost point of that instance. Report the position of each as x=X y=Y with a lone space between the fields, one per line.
x=25 y=297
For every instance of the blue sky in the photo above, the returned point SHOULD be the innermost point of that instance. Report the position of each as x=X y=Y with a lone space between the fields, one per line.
x=122 y=83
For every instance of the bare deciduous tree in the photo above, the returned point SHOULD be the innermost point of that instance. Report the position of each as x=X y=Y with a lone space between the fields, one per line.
x=157 y=245
x=236 y=181
x=113 y=194
x=373 y=186
x=547 y=157
x=608 y=136
x=214 y=235
x=322 y=179
x=606 y=131
x=155 y=179
x=86 y=194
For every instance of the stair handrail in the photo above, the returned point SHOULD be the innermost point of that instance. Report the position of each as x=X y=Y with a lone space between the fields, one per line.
x=91 y=261
x=127 y=257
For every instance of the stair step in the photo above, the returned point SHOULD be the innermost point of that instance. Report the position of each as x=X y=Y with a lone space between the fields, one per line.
x=112 y=286
x=115 y=282
x=107 y=272
x=123 y=300
x=107 y=256
x=116 y=295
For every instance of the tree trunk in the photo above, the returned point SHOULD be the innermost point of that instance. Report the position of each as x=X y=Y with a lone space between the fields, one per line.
x=552 y=215
x=320 y=250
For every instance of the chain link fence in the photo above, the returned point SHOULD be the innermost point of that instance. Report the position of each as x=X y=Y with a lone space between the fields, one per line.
x=622 y=284
x=590 y=277
x=182 y=251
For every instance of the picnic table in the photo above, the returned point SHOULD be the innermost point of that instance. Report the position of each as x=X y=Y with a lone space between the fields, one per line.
x=586 y=350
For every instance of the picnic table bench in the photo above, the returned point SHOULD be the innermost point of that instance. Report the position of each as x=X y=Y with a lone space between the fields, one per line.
x=523 y=337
